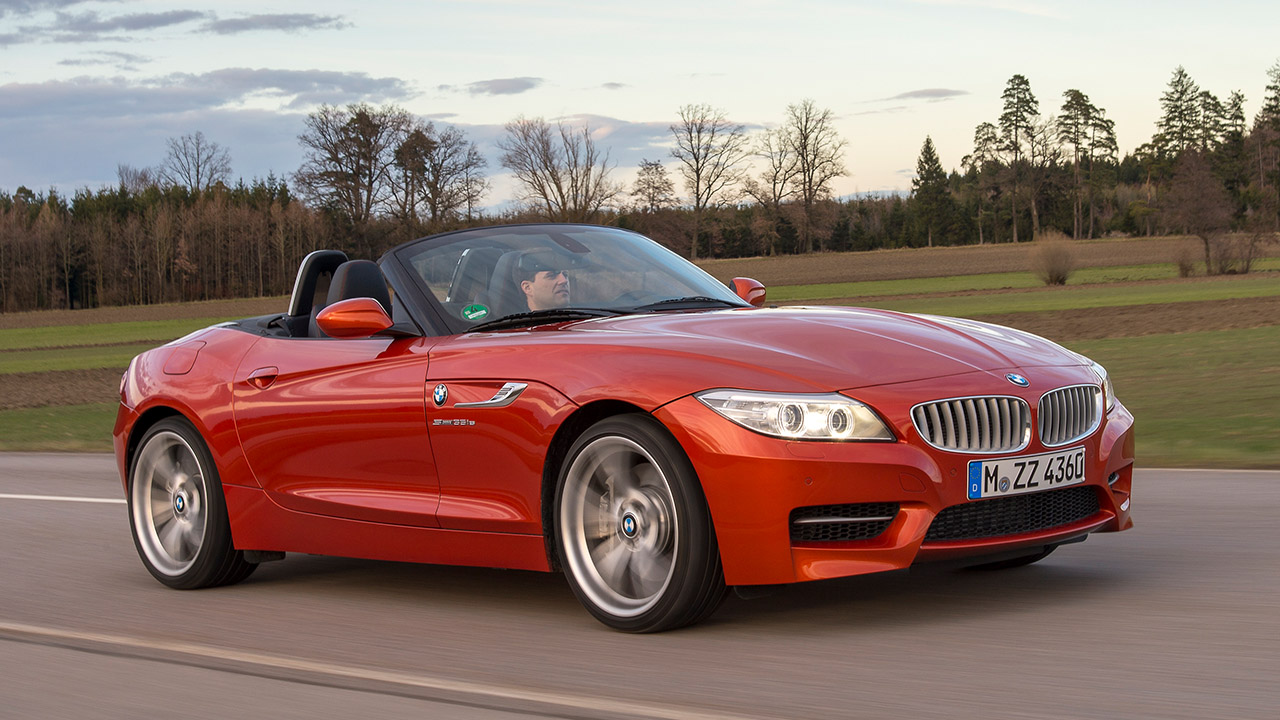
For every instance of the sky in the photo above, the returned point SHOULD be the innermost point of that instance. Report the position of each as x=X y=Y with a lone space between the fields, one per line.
x=86 y=86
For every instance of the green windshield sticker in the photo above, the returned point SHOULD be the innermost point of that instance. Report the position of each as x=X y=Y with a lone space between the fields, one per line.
x=475 y=312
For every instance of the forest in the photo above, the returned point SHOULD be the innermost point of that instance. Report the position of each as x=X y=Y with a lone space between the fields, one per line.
x=373 y=177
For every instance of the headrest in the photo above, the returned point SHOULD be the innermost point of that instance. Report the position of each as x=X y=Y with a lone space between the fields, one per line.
x=359 y=278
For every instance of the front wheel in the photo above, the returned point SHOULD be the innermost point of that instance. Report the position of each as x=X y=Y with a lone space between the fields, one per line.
x=177 y=513
x=634 y=533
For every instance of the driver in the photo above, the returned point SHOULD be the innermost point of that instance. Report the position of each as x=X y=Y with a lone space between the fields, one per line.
x=544 y=279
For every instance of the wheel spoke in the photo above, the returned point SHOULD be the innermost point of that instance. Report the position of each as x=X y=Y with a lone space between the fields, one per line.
x=648 y=476
x=618 y=469
x=171 y=538
x=611 y=558
x=167 y=467
x=649 y=573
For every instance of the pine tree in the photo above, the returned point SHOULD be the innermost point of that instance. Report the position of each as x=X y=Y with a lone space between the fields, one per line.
x=1213 y=121
x=1020 y=110
x=1270 y=113
x=1075 y=127
x=930 y=190
x=1180 y=126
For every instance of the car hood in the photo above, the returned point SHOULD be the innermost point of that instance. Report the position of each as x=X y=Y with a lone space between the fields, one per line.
x=839 y=347
x=651 y=359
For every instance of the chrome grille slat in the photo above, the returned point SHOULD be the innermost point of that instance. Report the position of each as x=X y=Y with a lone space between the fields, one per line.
x=1070 y=413
x=974 y=424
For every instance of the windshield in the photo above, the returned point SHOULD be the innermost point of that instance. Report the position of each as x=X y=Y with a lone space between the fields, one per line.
x=479 y=276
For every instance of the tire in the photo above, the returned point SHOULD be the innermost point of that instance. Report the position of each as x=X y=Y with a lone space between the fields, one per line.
x=1016 y=562
x=633 y=531
x=177 y=513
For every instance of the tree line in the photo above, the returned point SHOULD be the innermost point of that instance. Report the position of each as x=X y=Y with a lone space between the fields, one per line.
x=373 y=177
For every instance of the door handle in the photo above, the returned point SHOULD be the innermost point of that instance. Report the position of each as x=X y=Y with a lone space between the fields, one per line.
x=263 y=377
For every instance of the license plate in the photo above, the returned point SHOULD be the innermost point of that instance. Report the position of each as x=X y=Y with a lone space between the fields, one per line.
x=1028 y=473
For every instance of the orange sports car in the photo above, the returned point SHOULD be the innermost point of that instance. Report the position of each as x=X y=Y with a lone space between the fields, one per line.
x=578 y=398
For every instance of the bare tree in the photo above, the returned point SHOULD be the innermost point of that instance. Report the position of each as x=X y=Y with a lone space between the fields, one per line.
x=559 y=169
x=1198 y=204
x=1044 y=154
x=453 y=164
x=135 y=180
x=775 y=183
x=349 y=155
x=710 y=150
x=819 y=158
x=195 y=162
x=409 y=176
x=653 y=190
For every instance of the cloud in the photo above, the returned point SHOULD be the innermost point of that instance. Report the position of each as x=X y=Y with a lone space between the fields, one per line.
x=613 y=86
x=504 y=86
x=29 y=7
x=439 y=116
x=627 y=141
x=283 y=22
x=185 y=92
x=883 y=111
x=931 y=94
x=127 y=62
x=91 y=26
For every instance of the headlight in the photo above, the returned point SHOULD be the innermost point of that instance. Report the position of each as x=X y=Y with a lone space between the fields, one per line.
x=1108 y=390
x=798 y=417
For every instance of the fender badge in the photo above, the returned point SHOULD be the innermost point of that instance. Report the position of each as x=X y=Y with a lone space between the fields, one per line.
x=1017 y=379
x=440 y=394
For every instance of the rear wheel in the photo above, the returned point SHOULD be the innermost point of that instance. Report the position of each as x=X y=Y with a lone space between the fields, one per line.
x=177 y=512
x=633 y=529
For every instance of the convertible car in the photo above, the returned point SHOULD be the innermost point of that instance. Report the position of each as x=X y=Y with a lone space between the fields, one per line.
x=578 y=398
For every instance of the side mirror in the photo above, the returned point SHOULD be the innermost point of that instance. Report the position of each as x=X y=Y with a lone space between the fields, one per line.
x=354 y=318
x=748 y=289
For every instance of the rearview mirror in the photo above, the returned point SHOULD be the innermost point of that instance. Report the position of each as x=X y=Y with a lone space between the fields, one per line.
x=748 y=289
x=354 y=318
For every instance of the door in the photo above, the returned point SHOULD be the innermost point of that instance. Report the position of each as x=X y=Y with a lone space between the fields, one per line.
x=338 y=427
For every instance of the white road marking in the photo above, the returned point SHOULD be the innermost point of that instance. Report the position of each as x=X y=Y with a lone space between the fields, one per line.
x=62 y=498
x=602 y=706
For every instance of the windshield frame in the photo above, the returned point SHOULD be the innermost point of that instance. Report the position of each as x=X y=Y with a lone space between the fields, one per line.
x=399 y=264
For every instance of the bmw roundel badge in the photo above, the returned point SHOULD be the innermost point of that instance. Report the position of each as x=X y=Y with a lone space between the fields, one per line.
x=440 y=394
x=1017 y=379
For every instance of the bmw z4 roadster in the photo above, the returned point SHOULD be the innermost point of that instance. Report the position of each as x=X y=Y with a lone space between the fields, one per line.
x=579 y=399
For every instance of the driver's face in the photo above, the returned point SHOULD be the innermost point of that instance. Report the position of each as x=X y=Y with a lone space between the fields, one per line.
x=548 y=289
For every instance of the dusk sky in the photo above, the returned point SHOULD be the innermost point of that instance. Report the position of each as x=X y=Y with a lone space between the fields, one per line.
x=85 y=86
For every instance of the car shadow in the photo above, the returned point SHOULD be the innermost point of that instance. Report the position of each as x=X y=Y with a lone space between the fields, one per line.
x=920 y=596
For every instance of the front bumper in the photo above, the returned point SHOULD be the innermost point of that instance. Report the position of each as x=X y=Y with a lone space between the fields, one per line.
x=753 y=483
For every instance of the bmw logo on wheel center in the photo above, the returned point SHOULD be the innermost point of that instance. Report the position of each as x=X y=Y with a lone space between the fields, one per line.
x=1017 y=379
x=440 y=394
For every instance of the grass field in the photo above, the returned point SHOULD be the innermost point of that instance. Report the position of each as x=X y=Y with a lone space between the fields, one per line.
x=63 y=336
x=985 y=281
x=1204 y=396
x=1206 y=399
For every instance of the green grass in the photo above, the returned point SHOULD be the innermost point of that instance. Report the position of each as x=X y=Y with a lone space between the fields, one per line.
x=989 y=281
x=1204 y=399
x=1090 y=296
x=151 y=331
x=81 y=358
x=74 y=428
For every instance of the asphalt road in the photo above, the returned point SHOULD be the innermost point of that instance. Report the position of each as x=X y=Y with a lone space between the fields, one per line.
x=1178 y=618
